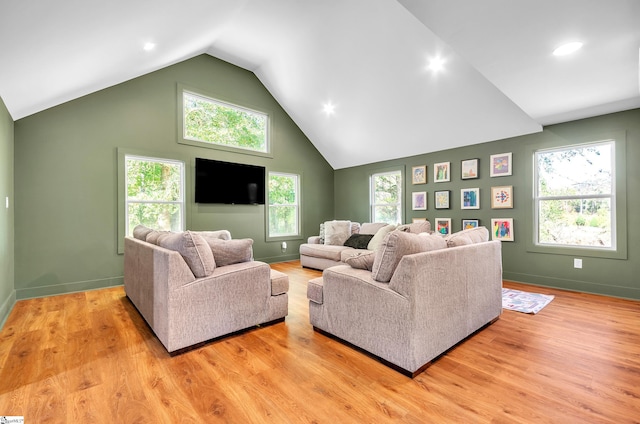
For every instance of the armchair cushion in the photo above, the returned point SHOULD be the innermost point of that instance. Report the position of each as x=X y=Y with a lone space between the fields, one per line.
x=398 y=244
x=228 y=252
x=193 y=249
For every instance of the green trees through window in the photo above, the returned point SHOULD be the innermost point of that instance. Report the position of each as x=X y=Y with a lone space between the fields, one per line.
x=154 y=193
x=284 y=204
x=211 y=121
x=386 y=197
x=575 y=195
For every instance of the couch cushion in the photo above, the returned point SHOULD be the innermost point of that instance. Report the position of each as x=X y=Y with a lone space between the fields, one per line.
x=377 y=239
x=336 y=232
x=314 y=290
x=217 y=234
x=194 y=250
x=228 y=252
x=140 y=232
x=358 y=241
x=371 y=227
x=153 y=236
x=279 y=283
x=416 y=227
x=398 y=244
x=470 y=236
x=362 y=260
x=323 y=251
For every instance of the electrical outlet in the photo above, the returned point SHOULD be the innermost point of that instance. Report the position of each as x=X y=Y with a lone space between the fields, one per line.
x=577 y=263
x=283 y=246
x=6 y=202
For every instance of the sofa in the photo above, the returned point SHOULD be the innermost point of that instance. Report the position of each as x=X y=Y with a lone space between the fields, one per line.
x=341 y=239
x=191 y=287
x=413 y=299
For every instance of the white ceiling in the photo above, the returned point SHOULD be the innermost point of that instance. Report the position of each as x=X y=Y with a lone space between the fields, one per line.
x=369 y=58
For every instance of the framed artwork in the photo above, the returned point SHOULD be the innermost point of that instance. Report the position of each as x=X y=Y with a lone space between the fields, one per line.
x=502 y=229
x=470 y=198
x=469 y=169
x=419 y=174
x=443 y=226
x=419 y=200
x=414 y=220
x=500 y=165
x=442 y=199
x=502 y=197
x=468 y=224
x=442 y=172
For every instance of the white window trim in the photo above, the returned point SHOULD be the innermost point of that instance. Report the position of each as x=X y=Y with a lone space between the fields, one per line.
x=218 y=99
x=297 y=206
x=372 y=188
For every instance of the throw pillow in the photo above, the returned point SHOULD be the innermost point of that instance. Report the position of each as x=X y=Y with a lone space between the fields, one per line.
x=194 y=250
x=140 y=232
x=336 y=232
x=321 y=233
x=361 y=260
x=228 y=252
x=377 y=239
x=358 y=241
x=470 y=236
x=398 y=244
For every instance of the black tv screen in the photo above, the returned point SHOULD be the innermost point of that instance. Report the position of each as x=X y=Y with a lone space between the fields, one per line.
x=229 y=183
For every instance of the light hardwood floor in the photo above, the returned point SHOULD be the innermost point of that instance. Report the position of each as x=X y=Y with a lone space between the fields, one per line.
x=90 y=358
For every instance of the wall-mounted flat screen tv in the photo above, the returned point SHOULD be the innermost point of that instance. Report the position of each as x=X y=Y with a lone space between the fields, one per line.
x=229 y=183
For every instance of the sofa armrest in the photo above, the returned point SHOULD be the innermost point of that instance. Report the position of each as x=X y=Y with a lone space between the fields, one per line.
x=314 y=240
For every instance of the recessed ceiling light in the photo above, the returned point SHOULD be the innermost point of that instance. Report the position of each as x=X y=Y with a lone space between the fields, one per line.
x=568 y=48
x=149 y=46
x=436 y=64
x=329 y=108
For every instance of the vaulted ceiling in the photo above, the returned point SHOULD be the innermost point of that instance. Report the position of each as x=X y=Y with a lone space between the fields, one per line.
x=370 y=61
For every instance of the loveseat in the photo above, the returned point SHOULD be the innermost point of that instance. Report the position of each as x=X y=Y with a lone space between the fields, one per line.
x=341 y=239
x=413 y=299
x=192 y=287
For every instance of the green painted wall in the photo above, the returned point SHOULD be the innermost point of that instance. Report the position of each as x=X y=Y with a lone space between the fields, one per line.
x=7 y=293
x=66 y=174
x=616 y=277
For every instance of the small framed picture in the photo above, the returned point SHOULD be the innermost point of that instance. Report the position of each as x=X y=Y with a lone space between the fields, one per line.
x=443 y=226
x=502 y=197
x=470 y=198
x=419 y=200
x=500 y=165
x=502 y=229
x=442 y=172
x=468 y=224
x=469 y=169
x=414 y=220
x=442 y=199
x=419 y=174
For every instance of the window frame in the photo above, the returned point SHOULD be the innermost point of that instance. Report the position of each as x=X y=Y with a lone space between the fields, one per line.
x=400 y=204
x=122 y=156
x=618 y=205
x=298 y=206
x=221 y=100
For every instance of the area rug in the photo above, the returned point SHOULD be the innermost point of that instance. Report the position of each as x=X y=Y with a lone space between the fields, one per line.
x=529 y=303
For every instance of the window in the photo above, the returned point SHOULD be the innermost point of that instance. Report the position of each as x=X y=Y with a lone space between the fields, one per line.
x=284 y=204
x=386 y=197
x=216 y=123
x=154 y=194
x=574 y=196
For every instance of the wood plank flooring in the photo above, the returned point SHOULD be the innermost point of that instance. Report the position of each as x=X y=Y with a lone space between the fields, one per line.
x=90 y=358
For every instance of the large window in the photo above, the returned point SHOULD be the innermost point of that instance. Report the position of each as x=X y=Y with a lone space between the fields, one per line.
x=386 y=197
x=575 y=196
x=284 y=204
x=214 y=122
x=154 y=194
